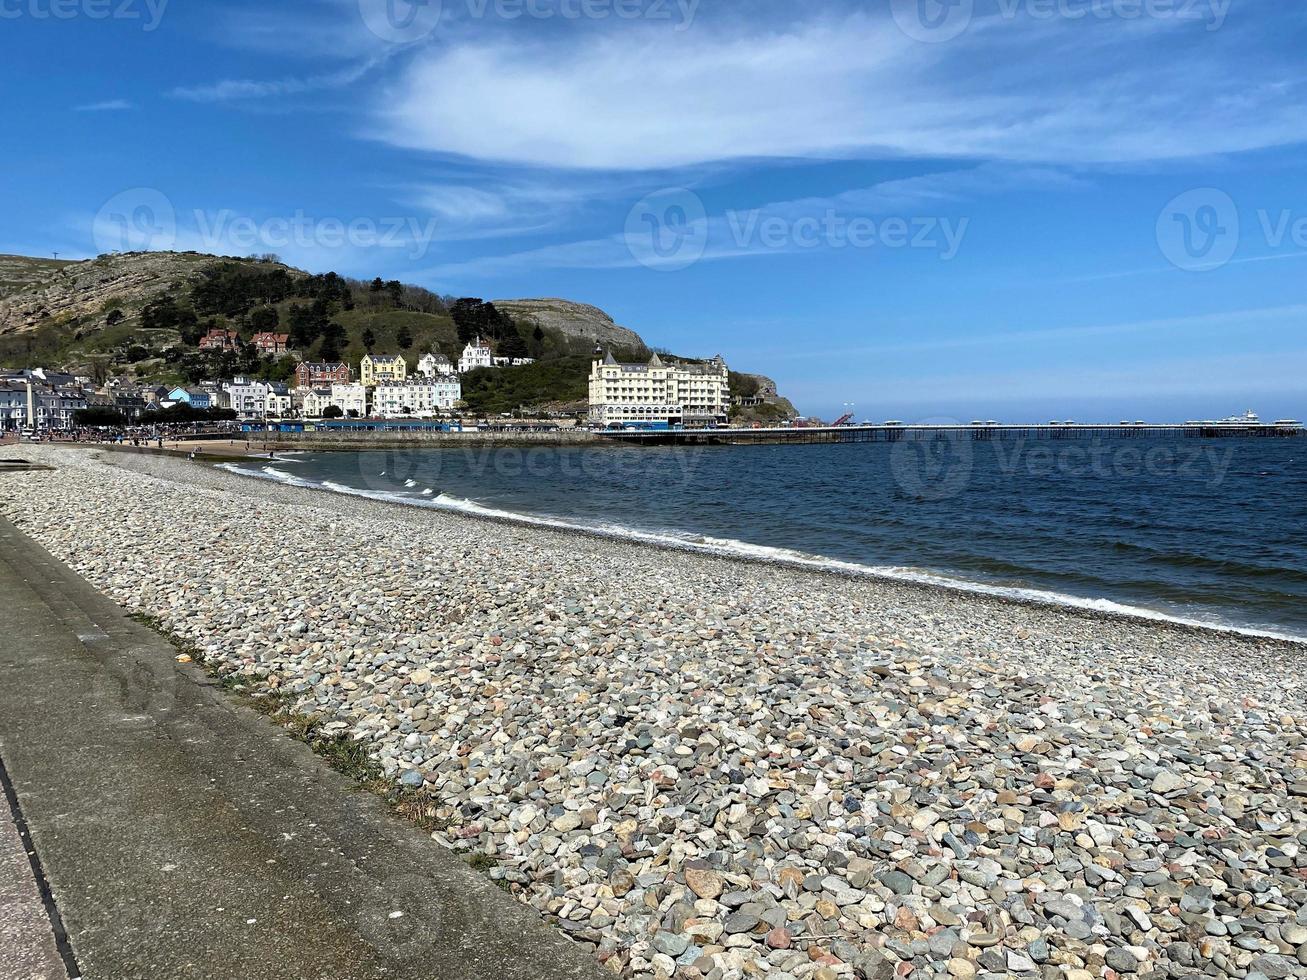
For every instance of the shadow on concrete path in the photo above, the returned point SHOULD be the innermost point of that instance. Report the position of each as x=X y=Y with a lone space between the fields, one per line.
x=186 y=836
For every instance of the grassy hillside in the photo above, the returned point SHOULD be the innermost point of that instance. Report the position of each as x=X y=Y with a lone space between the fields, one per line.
x=426 y=331
x=560 y=385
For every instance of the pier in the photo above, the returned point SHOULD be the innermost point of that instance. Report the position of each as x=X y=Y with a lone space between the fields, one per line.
x=819 y=435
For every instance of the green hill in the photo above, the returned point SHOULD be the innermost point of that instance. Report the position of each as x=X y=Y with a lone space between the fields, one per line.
x=143 y=314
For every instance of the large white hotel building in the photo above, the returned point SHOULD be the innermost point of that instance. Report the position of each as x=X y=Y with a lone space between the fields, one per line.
x=679 y=394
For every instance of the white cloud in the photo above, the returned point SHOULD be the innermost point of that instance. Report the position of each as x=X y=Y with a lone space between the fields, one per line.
x=241 y=88
x=1022 y=90
x=112 y=105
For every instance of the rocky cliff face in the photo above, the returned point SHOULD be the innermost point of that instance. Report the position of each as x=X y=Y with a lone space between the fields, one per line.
x=20 y=271
x=579 y=321
x=86 y=289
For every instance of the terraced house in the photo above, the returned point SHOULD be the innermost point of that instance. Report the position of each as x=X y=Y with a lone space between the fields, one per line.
x=316 y=374
x=378 y=368
x=416 y=399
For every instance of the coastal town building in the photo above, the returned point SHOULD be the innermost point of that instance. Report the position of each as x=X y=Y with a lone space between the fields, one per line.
x=271 y=344
x=351 y=399
x=680 y=393
x=315 y=374
x=422 y=398
x=311 y=403
x=279 y=401
x=258 y=398
x=196 y=398
x=220 y=338
x=30 y=403
x=476 y=354
x=128 y=403
x=378 y=368
x=434 y=365
x=513 y=361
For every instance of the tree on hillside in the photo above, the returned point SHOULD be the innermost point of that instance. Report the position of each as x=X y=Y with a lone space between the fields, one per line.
x=333 y=339
x=303 y=326
x=369 y=339
x=115 y=316
x=477 y=318
x=395 y=290
x=468 y=315
x=404 y=337
x=264 y=319
x=376 y=285
x=513 y=346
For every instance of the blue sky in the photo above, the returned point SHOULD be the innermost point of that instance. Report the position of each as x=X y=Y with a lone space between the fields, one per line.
x=1012 y=209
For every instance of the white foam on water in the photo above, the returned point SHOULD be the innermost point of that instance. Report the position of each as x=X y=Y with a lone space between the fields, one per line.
x=733 y=548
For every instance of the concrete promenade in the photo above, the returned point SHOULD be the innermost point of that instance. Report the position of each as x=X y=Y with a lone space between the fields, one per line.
x=183 y=835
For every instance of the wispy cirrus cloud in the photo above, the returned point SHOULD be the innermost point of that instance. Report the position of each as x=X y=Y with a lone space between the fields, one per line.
x=237 y=89
x=738 y=233
x=110 y=105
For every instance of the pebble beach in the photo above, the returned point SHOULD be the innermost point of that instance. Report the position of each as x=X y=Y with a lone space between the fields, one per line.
x=712 y=768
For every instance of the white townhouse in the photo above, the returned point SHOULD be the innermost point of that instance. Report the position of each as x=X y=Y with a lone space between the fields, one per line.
x=350 y=398
x=513 y=361
x=678 y=394
x=247 y=398
x=251 y=399
x=476 y=354
x=435 y=365
x=417 y=399
x=312 y=402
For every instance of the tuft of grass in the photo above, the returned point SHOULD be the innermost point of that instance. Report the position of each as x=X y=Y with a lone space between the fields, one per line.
x=347 y=756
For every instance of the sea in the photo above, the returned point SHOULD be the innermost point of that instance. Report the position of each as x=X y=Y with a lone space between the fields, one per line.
x=1204 y=531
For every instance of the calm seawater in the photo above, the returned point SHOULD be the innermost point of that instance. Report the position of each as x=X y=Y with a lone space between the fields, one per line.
x=1213 y=531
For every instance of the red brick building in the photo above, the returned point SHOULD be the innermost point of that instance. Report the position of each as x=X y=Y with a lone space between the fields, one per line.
x=272 y=344
x=312 y=374
x=220 y=339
